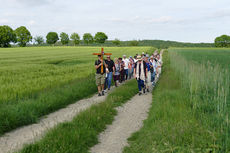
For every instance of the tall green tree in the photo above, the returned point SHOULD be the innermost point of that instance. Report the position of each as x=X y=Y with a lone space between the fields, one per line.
x=222 y=41
x=88 y=38
x=64 y=38
x=39 y=40
x=116 y=42
x=23 y=36
x=52 y=38
x=7 y=36
x=100 y=37
x=75 y=38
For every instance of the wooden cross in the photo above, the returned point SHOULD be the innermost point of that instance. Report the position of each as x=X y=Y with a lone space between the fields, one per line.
x=102 y=54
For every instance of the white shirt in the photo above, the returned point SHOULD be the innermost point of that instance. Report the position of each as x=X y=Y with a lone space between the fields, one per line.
x=159 y=63
x=126 y=61
x=154 y=65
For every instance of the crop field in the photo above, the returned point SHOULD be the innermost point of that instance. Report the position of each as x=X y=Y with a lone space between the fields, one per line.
x=190 y=111
x=206 y=75
x=215 y=56
x=26 y=71
x=38 y=80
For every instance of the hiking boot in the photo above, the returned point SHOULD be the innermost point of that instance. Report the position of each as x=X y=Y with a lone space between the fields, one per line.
x=102 y=93
x=140 y=93
x=108 y=88
x=99 y=94
x=143 y=90
x=147 y=90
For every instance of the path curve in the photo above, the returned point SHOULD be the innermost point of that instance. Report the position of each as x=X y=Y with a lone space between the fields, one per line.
x=15 y=140
x=129 y=120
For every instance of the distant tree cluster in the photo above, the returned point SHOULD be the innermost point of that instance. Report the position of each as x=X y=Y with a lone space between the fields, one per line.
x=21 y=36
x=99 y=38
x=116 y=42
x=222 y=41
x=134 y=43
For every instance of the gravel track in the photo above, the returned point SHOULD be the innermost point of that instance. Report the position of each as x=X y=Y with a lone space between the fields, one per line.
x=15 y=140
x=129 y=120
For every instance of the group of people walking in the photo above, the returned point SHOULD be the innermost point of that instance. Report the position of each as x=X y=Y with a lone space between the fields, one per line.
x=145 y=68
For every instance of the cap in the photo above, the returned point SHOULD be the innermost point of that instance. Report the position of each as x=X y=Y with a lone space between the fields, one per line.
x=138 y=58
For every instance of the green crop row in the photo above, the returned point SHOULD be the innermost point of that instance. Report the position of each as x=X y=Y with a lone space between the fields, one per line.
x=208 y=90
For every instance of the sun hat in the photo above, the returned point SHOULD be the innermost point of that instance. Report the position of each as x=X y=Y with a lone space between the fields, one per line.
x=139 y=58
x=151 y=56
x=147 y=55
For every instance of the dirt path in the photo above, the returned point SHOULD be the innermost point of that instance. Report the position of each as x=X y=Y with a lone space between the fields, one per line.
x=129 y=120
x=15 y=140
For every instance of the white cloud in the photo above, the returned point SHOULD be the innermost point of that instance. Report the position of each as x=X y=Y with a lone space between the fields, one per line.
x=31 y=22
x=26 y=3
x=142 y=20
x=221 y=13
x=162 y=19
x=4 y=21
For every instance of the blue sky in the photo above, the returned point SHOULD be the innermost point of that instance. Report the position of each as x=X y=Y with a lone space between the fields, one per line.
x=179 y=20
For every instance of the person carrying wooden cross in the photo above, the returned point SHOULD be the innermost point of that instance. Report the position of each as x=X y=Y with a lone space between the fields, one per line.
x=100 y=75
x=100 y=67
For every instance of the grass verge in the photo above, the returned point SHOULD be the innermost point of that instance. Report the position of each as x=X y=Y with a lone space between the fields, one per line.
x=82 y=132
x=29 y=111
x=172 y=125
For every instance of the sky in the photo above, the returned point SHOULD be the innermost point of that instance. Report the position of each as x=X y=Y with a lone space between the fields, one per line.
x=177 y=20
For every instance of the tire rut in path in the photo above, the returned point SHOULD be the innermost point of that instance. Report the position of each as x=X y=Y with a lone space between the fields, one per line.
x=15 y=140
x=129 y=120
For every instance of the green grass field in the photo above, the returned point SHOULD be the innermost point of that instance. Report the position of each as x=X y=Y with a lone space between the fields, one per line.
x=190 y=105
x=38 y=80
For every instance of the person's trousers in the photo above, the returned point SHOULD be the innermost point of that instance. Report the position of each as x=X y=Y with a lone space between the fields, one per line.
x=122 y=75
x=126 y=72
x=109 y=79
x=130 y=75
x=141 y=84
x=153 y=76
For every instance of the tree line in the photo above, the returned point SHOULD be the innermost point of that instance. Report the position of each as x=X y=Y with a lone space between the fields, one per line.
x=22 y=37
